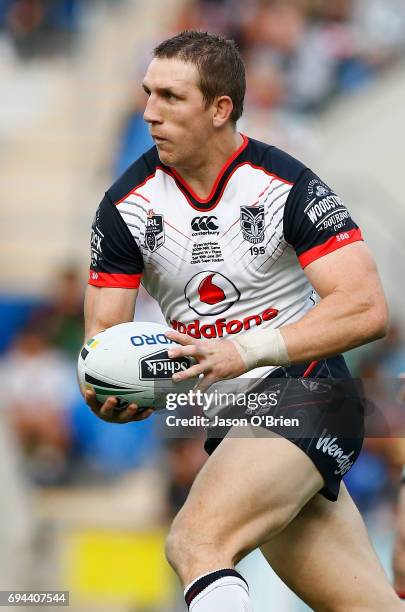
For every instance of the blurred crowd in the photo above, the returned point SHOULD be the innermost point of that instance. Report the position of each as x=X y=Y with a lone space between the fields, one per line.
x=300 y=55
x=40 y=27
x=282 y=40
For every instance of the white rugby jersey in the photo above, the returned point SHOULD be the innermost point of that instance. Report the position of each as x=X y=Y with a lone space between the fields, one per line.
x=231 y=262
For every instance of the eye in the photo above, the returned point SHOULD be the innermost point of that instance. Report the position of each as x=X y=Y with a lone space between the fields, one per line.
x=169 y=95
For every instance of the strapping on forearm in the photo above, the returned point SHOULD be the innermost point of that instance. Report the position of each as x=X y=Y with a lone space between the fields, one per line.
x=262 y=347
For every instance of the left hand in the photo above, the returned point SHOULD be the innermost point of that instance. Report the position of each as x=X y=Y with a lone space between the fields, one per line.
x=217 y=359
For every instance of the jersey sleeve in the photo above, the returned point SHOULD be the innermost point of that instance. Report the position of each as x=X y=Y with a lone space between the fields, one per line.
x=116 y=260
x=316 y=221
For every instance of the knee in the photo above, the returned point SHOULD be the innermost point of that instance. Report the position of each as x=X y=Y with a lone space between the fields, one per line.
x=193 y=542
x=190 y=545
x=175 y=546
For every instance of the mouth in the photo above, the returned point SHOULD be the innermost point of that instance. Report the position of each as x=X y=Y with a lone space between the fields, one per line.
x=158 y=140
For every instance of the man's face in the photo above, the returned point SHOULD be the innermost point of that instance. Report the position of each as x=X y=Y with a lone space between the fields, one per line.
x=178 y=119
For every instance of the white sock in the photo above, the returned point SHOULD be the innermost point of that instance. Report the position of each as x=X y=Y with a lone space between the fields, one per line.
x=221 y=591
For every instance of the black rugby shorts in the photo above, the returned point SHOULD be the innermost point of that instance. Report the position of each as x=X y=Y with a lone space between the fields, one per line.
x=329 y=410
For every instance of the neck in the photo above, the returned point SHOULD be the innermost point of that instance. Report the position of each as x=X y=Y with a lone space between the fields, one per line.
x=212 y=156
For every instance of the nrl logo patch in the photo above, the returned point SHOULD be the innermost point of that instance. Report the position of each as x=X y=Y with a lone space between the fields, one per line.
x=155 y=231
x=252 y=223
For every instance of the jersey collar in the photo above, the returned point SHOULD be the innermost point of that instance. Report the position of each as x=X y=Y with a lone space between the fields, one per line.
x=219 y=185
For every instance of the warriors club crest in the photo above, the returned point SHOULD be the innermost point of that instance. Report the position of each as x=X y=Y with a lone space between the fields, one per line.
x=155 y=231
x=252 y=223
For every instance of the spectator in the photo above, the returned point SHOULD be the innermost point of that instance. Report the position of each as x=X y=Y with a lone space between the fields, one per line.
x=40 y=26
x=63 y=315
x=38 y=385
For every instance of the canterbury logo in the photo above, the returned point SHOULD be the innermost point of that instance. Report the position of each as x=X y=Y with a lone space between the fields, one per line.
x=204 y=224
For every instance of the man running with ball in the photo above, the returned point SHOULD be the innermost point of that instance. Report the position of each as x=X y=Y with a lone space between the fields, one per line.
x=258 y=267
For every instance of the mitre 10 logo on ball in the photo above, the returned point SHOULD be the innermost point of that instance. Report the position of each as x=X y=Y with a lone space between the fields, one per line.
x=210 y=293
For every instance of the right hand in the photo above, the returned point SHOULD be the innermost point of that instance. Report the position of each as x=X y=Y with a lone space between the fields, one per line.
x=111 y=413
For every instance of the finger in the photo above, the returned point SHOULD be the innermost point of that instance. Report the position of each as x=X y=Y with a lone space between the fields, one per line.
x=182 y=339
x=91 y=399
x=185 y=351
x=124 y=415
x=205 y=383
x=129 y=413
x=145 y=414
x=192 y=372
x=198 y=382
x=107 y=409
x=132 y=413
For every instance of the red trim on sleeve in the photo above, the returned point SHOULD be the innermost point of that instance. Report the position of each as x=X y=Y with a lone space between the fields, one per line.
x=124 y=281
x=333 y=244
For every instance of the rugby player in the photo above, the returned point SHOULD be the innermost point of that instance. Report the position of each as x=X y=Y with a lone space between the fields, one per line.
x=258 y=267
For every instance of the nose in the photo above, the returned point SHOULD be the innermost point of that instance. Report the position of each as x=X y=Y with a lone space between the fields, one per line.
x=151 y=113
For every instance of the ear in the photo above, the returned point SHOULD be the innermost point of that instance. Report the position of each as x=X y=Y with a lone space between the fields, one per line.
x=222 y=109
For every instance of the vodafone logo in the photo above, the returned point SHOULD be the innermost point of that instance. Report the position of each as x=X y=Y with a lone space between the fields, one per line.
x=210 y=293
x=222 y=327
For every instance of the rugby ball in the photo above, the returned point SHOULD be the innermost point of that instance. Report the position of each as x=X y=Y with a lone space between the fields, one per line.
x=130 y=361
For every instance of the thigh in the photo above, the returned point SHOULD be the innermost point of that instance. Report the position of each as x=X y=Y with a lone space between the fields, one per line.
x=248 y=490
x=323 y=416
x=325 y=556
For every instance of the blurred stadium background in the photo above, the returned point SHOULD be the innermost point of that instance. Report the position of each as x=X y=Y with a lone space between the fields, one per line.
x=85 y=505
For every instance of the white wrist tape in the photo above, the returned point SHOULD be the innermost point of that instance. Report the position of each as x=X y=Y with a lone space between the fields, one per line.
x=262 y=348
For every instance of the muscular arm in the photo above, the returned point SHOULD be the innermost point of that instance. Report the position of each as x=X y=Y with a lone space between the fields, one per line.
x=352 y=312
x=106 y=306
x=103 y=308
